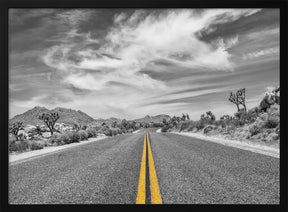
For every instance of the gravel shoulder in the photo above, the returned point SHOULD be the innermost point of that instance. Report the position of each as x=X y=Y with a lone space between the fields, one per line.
x=249 y=146
x=24 y=156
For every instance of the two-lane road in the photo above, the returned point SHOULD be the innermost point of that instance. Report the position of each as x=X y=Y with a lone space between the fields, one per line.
x=107 y=171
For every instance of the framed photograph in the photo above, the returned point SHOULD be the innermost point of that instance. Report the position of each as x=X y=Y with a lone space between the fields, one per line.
x=128 y=104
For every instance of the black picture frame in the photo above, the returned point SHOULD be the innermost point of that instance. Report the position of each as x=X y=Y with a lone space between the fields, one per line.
x=5 y=5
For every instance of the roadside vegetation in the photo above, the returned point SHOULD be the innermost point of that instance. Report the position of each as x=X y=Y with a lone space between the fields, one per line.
x=260 y=124
x=50 y=133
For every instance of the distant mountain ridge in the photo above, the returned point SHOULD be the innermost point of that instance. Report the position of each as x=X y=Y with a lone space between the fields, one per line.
x=70 y=116
x=155 y=119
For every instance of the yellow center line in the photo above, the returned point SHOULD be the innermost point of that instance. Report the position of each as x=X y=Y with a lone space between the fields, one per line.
x=141 y=186
x=154 y=187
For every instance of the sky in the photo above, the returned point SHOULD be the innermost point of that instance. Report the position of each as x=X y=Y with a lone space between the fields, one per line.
x=128 y=63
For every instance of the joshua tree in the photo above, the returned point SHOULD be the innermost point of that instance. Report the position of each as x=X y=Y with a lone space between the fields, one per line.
x=50 y=120
x=209 y=116
x=15 y=127
x=183 y=117
x=238 y=99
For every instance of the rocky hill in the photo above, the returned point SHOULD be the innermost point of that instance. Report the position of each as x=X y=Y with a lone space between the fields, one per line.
x=67 y=116
x=70 y=116
x=154 y=119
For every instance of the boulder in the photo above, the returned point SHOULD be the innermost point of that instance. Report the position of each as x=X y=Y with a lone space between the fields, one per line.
x=208 y=129
x=46 y=134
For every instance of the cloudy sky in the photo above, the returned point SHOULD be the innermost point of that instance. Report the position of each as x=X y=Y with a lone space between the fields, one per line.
x=130 y=63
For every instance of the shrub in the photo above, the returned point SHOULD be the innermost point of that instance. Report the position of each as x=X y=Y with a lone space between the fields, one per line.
x=55 y=138
x=272 y=122
x=115 y=131
x=255 y=128
x=74 y=137
x=199 y=124
x=273 y=117
x=83 y=135
x=231 y=128
x=186 y=125
x=91 y=132
x=35 y=145
x=158 y=124
x=18 y=146
x=119 y=131
x=11 y=144
x=65 y=138
x=165 y=128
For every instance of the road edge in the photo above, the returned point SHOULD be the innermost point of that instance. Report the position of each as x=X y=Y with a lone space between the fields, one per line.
x=265 y=150
x=31 y=155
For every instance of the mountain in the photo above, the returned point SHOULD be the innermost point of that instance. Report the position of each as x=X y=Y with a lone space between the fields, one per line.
x=67 y=116
x=70 y=116
x=155 y=119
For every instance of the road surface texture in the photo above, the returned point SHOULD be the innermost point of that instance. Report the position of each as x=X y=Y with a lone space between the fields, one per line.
x=188 y=171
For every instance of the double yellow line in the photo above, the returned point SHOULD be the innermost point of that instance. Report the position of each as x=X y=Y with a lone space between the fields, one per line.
x=154 y=187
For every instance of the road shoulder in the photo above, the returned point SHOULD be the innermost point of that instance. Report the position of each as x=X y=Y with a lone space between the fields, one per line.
x=261 y=149
x=24 y=156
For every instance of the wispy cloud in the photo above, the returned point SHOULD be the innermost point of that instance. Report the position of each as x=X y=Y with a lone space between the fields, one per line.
x=130 y=63
x=136 y=41
x=260 y=53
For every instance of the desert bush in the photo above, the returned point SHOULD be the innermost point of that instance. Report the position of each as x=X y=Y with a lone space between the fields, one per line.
x=74 y=137
x=165 y=128
x=114 y=131
x=83 y=135
x=158 y=124
x=119 y=131
x=91 y=132
x=200 y=124
x=231 y=128
x=60 y=139
x=65 y=138
x=11 y=143
x=221 y=123
x=273 y=117
x=272 y=122
x=106 y=131
x=18 y=146
x=55 y=139
x=256 y=127
x=34 y=145
x=185 y=125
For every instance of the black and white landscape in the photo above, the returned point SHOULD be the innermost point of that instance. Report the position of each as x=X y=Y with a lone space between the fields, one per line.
x=128 y=106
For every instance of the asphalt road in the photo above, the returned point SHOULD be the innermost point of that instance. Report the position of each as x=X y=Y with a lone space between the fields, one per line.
x=107 y=171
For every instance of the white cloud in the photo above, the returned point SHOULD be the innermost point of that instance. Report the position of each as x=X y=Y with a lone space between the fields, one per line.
x=130 y=45
x=260 y=53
